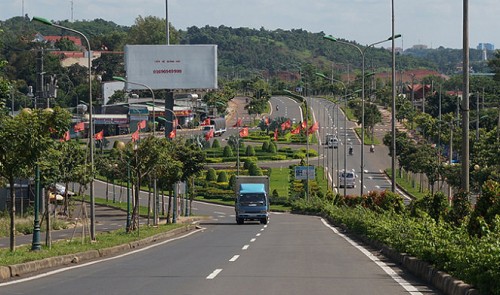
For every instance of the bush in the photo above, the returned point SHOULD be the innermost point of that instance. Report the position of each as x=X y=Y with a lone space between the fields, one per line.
x=211 y=175
x=254 y=170
x=272 y=149
x=215 y=144
x=435 y=205
x=250 y=151
x=228 y=151
x=265 y=146
x=222 y=177
x=247 y=162
x=232 y=182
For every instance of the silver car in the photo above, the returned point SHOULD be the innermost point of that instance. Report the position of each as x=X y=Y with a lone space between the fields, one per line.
x=347 y=179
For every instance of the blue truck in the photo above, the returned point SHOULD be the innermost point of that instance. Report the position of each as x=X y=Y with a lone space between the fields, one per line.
x=252 y=199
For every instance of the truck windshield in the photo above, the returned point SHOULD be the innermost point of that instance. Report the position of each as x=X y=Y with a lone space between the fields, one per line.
x=252 y=198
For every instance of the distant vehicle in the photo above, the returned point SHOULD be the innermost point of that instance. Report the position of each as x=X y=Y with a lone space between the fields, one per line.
x=332 y=141
x=347 y=179
x=60 y=189
x=252 y=198
x=218 y=125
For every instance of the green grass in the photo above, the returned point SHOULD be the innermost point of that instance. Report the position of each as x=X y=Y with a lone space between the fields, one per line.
x=104 y=240
x=412 y=189
x=368 y=139
x=279 y=180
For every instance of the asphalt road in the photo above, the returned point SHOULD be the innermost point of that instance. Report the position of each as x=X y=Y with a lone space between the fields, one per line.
x=293 y=254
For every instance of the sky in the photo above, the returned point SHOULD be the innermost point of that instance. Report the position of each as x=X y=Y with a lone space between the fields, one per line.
x=433 y=23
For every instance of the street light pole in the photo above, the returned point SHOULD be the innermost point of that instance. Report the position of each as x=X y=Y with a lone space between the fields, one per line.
x=155 y=203
x=91 y=134
x=362 y=52
x=393 y=113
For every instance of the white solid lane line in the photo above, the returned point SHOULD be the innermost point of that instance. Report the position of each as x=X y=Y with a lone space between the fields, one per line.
x=402 y=282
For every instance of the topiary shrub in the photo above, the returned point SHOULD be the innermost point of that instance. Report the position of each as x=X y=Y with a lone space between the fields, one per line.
x=228 y=151
x=232 y=182
x=222 y=177
x=211 y=175
x=216 y=144
x=254 y=170
x=272 y=149
x=250 y=151
x=265 y=146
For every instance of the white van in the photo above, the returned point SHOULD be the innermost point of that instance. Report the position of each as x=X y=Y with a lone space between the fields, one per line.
x=347 y=179
x=332 y=141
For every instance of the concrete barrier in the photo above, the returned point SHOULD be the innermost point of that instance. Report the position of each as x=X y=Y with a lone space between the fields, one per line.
x=4 y=273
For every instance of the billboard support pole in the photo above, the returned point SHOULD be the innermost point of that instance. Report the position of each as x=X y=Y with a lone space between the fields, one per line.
x=169 y=104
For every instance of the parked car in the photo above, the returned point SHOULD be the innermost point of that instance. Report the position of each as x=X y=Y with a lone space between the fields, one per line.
x=347 y=179
x=60 y=189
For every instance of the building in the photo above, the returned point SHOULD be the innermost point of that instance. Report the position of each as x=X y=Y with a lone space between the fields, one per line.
x=486 y=46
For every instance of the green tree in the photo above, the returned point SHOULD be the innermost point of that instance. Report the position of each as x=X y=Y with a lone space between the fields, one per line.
x=24 y=138
x=150 y=30
x=494 y=64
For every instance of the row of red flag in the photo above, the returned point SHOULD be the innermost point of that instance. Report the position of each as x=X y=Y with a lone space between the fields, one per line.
x=100 y=135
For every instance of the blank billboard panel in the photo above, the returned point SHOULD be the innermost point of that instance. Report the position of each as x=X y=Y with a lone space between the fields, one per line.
x=171 y=66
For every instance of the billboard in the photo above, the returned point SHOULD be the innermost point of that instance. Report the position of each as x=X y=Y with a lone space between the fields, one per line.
x=171 y=66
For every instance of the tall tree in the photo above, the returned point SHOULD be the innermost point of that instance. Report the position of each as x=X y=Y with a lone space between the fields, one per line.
x=24 y=138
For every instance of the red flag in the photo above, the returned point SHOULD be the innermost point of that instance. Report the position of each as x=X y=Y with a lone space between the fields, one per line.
x=79 y=127
x=304 y=124
x=209 y=134
x=296 y=130
x=66 y=137
x=135 y=135
x=205 y=122
x=172 y=134
x=314 y=127
x=286 y=125
x=276 y=134
x=283 y=126
x=141 y=125
x=238 y=123
x=99 y=135
x=244 y=132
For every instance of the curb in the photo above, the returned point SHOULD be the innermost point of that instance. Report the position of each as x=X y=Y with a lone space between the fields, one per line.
x=22 y=269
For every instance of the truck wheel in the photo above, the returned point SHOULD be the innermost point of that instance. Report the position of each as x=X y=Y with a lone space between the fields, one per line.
x=239 y=220
x=263 y=221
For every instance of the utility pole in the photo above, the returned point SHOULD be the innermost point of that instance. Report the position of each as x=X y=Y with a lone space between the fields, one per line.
x=465 y=100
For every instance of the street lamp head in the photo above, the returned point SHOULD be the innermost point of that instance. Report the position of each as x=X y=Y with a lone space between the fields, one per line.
x=42 y=20
x=116 y=78
x=330 y=37
x=395 y=37
x=321 y=75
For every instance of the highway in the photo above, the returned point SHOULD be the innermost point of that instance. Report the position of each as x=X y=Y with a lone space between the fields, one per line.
x=293 y=254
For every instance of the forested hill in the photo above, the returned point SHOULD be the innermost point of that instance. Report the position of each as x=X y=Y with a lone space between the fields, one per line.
x=242 y=51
